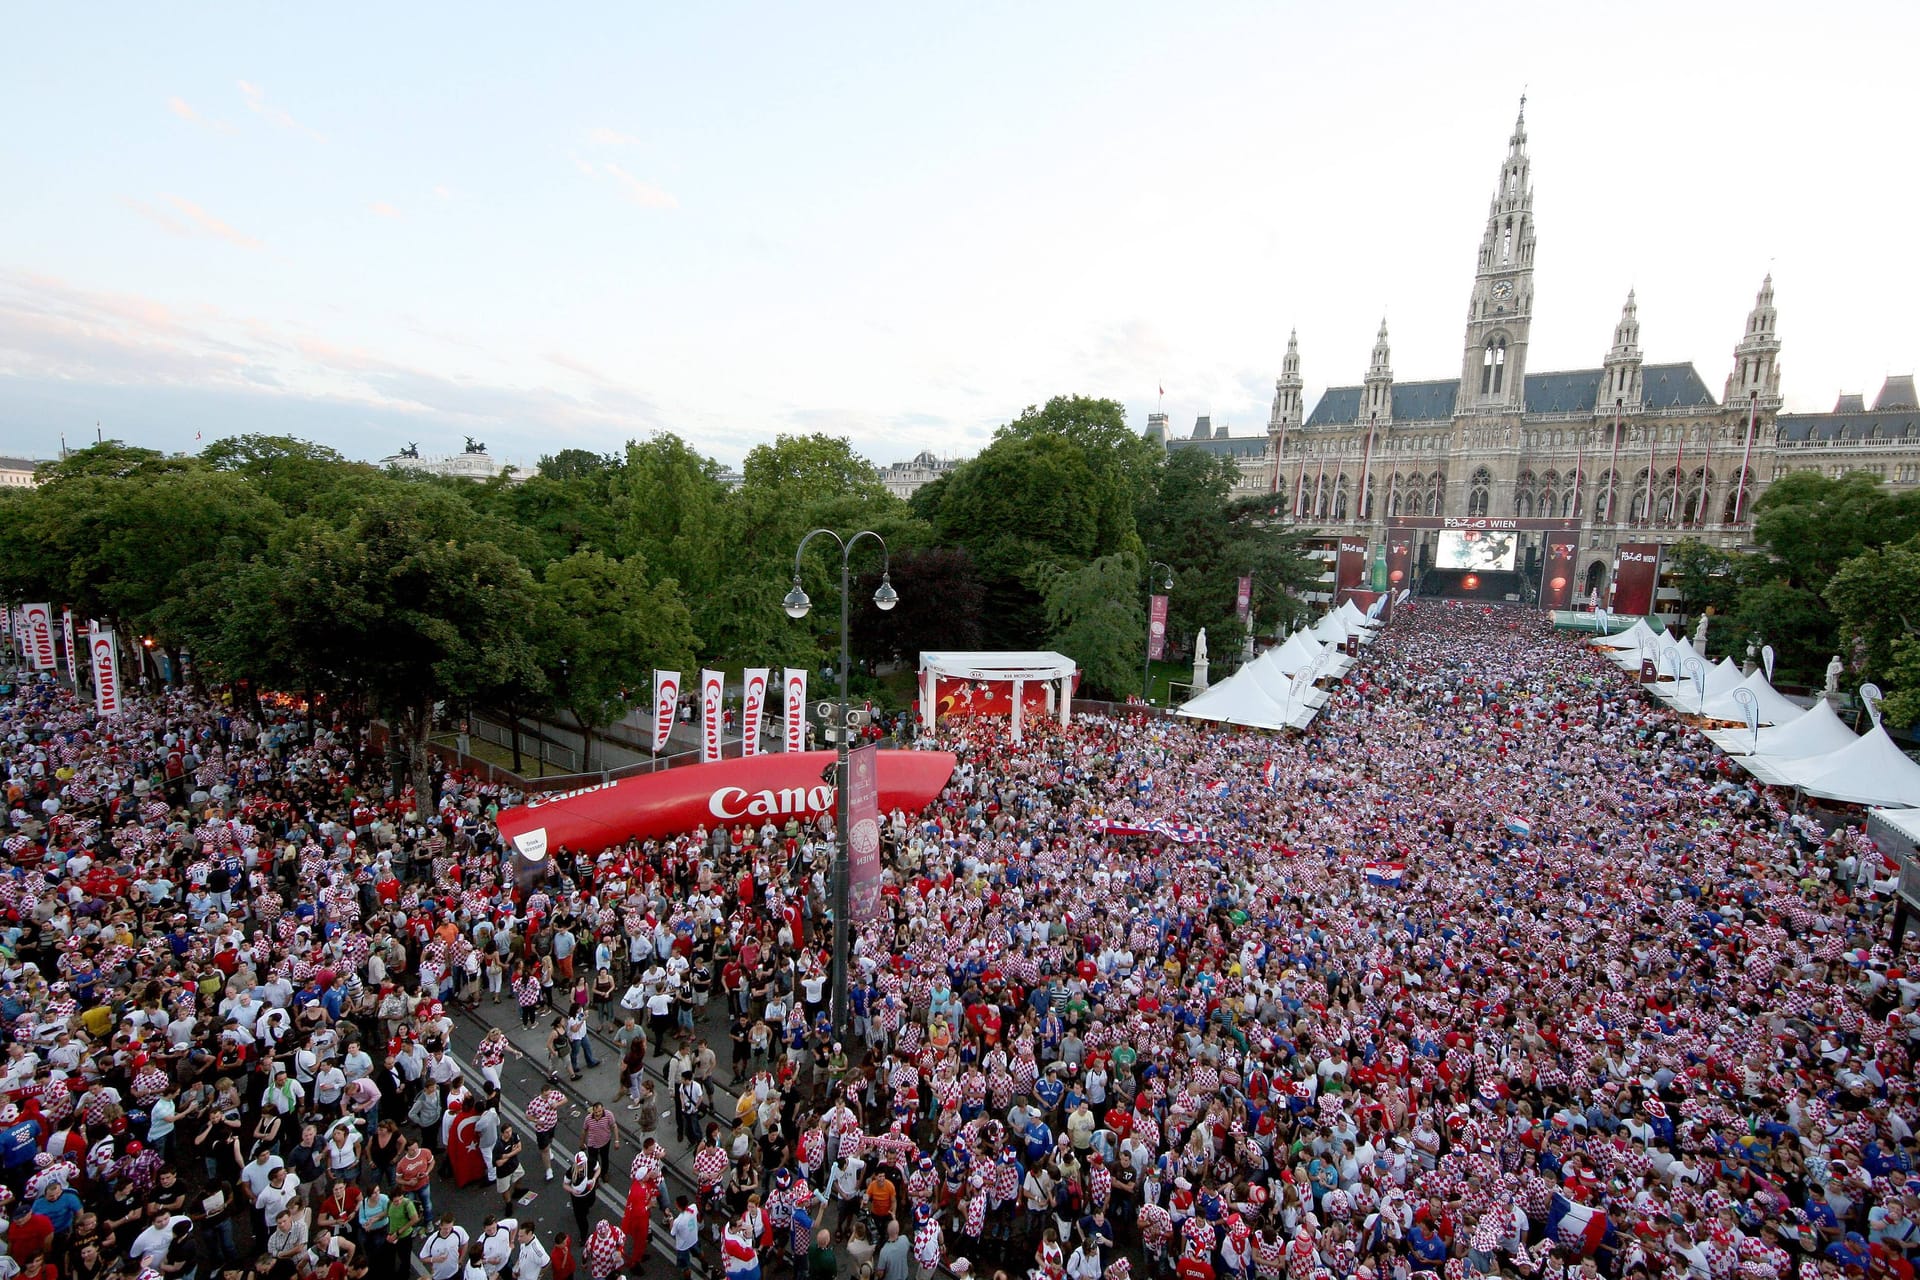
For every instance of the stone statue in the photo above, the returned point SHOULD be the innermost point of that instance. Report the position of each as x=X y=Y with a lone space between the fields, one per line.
x=1700 y=634
x=1200 y=661
x=1835 y=670
x=412 y=450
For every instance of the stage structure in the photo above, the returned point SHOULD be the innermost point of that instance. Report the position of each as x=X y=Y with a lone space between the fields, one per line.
x=997 y=684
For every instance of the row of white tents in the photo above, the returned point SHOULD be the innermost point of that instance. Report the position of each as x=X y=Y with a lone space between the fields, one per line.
x=1778 y=741
x=1277 y=690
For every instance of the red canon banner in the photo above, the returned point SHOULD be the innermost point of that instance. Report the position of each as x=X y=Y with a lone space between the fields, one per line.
x=1636 y=568
x=777 y=787
x=1350 y=572
x=954 y=696
x=1556 y=586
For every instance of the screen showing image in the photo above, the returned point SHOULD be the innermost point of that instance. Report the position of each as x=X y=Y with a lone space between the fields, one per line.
x=1477 y=550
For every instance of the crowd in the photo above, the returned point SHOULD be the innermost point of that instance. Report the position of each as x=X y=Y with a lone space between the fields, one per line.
x=1497 y=970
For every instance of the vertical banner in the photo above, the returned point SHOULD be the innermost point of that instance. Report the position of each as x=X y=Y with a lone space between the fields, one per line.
x=795 y=703
x=666 y=701
x=39 y=628
x=1157 y=629
x=713 y=687
x=1556 y=582
x=66 y=634
x=1350 y=572
x=863 y=834
x=1636 y=568
x=1399 y=561
x=753 y=706
x=105 y=664
x=1243 y=598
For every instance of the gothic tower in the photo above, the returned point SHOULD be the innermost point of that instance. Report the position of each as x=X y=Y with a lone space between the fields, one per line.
x=1287 y=407
x=1756 y=359
x=1620 y=377
x=1376 y=397
x=1493 y=369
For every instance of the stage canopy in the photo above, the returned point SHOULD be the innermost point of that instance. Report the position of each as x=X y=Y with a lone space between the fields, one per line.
x=1872 y=770
x=1274 y=691
x=1012 y=683
x=1772 y=708
x=1816 y=733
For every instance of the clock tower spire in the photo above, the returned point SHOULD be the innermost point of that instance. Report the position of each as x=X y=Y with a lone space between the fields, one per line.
x=1493 y=368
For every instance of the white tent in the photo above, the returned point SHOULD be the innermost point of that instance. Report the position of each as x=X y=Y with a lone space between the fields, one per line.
x=1245 y=699
x=1355 y=617
x=1301 y=651
x=1871 y=771
x=1683 y=695
x=1278 y=683
x=1055 y=671
x=1773 y=709
x=1631 y=638
x=1815 y=734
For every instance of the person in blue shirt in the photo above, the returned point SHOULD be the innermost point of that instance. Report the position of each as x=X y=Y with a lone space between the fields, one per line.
x=1426 y=1244
x=19 y=1141
x=1039 y=1138
x=61 y=1206
x=1849 y=1251
x=1049 y=1089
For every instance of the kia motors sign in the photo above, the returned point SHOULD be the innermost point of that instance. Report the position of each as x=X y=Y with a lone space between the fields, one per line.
x=765 y=788
x=39 y=626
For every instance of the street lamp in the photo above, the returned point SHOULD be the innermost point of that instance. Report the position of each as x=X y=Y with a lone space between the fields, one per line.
x=1146 y=662
x=798 y=605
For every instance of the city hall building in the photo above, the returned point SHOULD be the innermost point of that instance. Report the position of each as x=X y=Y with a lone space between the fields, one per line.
x=1575 y=465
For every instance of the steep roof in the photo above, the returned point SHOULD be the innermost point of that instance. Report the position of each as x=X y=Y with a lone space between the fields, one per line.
x=1897 y=393
x=1664 y=386
x=1850 y=403
x=1901 y=424
x=1224 y=445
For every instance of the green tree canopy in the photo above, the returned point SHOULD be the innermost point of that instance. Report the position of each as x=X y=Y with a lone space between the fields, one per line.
x=1095 y=615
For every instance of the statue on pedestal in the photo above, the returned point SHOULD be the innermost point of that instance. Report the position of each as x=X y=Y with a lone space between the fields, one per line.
x=1200 y=661
x=1835 y=669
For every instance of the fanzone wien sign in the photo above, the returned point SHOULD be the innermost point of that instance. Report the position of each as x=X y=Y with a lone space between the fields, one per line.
x=752 y=790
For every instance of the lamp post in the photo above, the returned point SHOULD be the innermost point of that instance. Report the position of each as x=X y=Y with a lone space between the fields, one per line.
x=1146 y=662
x=798 y=605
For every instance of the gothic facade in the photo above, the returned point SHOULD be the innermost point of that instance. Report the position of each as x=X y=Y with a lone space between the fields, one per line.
x=1633 y=452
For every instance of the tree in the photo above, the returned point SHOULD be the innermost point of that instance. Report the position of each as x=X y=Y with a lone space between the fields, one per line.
x=604 y=626
x=669 y=504
x=1877 y=595
x=299 y=477
x=1095 y=616
x=1813 y=523
x=1709 y=578
x=1123 y=462
x=941 y=598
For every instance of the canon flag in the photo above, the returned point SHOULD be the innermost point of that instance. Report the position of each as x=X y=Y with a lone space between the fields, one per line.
x=105 y=662
x=39 y=626
x=66 y=634
x=666 y=700
x=713 y=686
x=753 y=707
x=794 y=701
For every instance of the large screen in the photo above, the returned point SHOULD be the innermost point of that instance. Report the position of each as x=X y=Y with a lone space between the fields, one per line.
x=1476 y=549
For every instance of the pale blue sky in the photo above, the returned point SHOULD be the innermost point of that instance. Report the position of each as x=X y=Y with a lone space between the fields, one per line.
x=564 y=226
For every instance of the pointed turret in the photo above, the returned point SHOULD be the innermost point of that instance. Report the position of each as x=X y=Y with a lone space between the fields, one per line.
x=1620 y=382
x=1288 y=409
x=1493 y=368
x=1376 y=398
x=1756 y=357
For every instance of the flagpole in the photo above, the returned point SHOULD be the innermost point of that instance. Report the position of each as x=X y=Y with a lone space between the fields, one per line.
x=1746 y=455
x=1706 y=479
x=1613 y=467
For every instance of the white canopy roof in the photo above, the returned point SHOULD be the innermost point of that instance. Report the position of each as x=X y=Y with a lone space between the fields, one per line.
x=1628 y=639
x=1331 y=630
x=1355 y=616
x=1871 y=771
x=1301 y=651
x=1012 y=665
x=1816 y=733
x=1905 y=821
x=1773 y=708
x=1278 y=683
x=1722 y=678
x=1240 y=699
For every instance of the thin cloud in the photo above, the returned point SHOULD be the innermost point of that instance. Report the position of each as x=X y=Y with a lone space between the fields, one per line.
x=644 y=194
x=384 y=210
x=184 y=110
x=257 y=103
x=210 y=225
x=605 y=137
x=159 y=217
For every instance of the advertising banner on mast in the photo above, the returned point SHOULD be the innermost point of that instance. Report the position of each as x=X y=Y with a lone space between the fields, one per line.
x=666 y=701
x=66 y=635
x=1243 y=598
x=39 y=626
x=1350 y=570
x=1556 y=583
x=1157 y=629
x=1636 y=570
x=753 y=707
x=105 y=664
x=713 y=687
x=863 y=834
x=794 y=703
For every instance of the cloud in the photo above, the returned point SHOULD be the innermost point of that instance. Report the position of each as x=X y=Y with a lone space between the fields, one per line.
x=257 y=103
x=210 y=225
x=605 y=137
x=158 y=217
x=180 y=107
x=385 y=210
x=444 y=192
x=644 y=194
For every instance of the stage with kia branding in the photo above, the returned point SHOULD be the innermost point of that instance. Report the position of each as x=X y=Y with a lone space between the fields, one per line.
x=731 y=792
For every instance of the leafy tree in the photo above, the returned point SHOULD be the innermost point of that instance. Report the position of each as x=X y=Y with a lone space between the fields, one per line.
x=1795 y=621
x=300 y=477
x=1813 y=523
x=1123 y=462
x=576 y=464
x=1877 y=595
x=604 y=626
x=1096 y=616
x=1709 y=578
x=941 y=599
x=669 y=505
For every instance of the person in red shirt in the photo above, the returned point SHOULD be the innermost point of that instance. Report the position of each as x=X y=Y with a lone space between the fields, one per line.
x=560 y=1256
x=1192 y=1267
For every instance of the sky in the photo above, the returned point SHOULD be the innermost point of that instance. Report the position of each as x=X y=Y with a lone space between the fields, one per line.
x=569 y=226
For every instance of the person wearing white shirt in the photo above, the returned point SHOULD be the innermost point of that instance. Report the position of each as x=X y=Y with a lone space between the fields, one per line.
x=532 y=1258
x=496 y=1244
x=445 y=1249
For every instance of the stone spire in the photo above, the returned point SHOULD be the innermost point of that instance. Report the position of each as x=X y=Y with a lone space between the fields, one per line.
x=1756 y=357
x=1376 y=398
x=1620 y=380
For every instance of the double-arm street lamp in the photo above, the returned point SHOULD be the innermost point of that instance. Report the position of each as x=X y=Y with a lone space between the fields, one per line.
x=798 y=605
x=1146 y=662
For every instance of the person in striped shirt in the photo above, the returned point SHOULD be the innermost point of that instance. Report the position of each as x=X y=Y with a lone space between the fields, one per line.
x=543 y=1112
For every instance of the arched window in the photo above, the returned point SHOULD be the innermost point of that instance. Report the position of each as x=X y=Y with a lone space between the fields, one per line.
x=1523 y=504
x=1735 y=496
x=1637 y=512
x=1479 y=492
x=1523 y=494
x=1340 y=498
x=1493 y=367
x=1506 y=242
x=1393 y=496
x=1570 y=500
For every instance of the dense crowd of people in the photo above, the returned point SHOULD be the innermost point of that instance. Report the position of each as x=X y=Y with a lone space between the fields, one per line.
x=1498 y=969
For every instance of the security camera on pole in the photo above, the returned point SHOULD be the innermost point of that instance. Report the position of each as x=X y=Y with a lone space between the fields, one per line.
x=844 y=723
